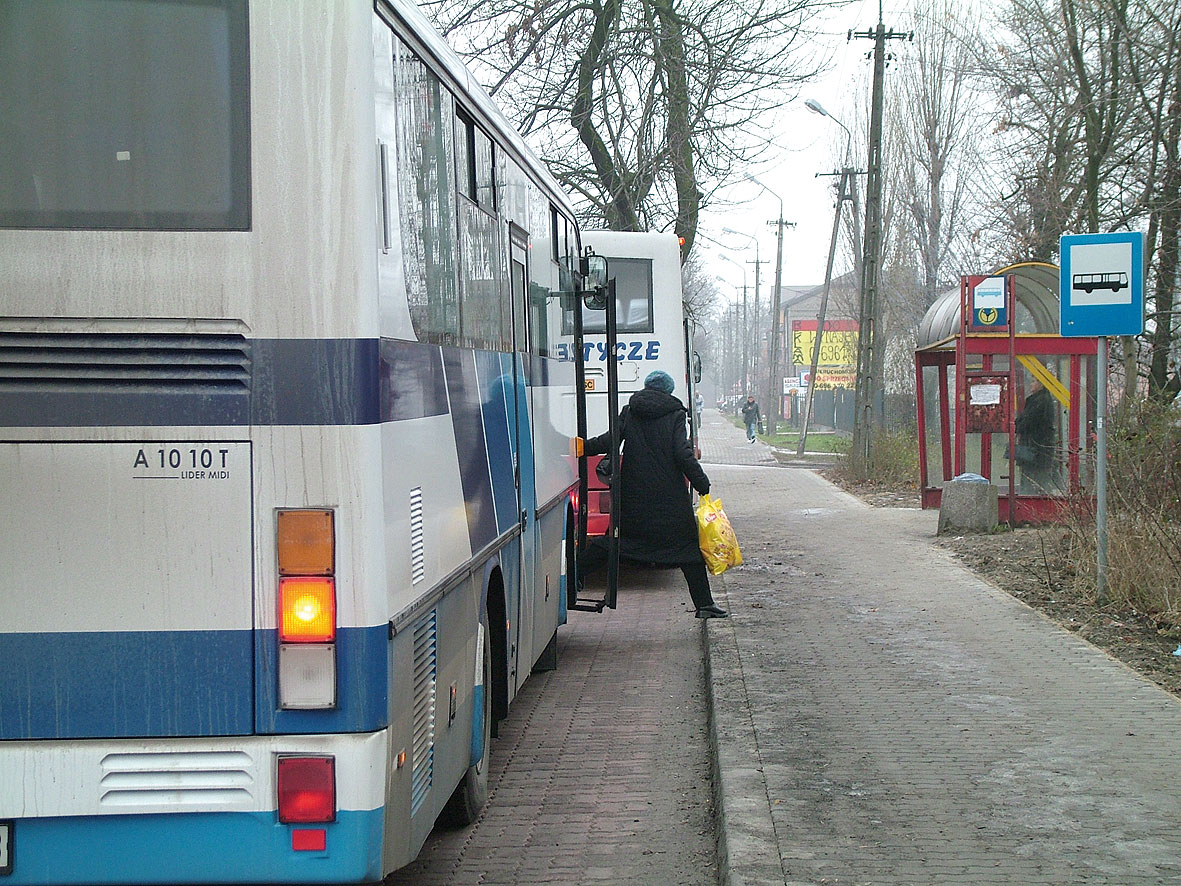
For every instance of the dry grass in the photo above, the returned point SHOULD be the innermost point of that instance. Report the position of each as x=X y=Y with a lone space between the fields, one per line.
x=894 y=463
x=1144 y=515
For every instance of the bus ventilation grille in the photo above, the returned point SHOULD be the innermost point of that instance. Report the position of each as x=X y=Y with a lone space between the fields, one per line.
x=180 y=779
x=417 y=537
x=124 y=362
x=426 y=650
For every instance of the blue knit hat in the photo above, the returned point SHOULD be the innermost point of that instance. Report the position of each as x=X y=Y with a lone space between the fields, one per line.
x=660 y=381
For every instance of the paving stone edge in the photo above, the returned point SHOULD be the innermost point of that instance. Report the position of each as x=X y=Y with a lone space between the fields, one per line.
x=748 y=851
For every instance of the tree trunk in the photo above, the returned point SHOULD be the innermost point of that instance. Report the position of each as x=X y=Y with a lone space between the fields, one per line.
x=679 y=127
x=1160 y=385
x=621 y=210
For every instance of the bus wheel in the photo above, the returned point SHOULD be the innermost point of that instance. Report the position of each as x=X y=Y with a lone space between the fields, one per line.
x=464 y=805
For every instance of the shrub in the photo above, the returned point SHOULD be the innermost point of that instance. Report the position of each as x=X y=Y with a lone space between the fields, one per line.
x=1144 y=513
x=894 y=460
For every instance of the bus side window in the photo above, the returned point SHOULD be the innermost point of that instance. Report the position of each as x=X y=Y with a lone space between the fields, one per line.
x=426 y=201
x=552 y=280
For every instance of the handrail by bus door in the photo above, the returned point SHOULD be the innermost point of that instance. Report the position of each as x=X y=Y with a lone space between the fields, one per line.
x=574 y=601
x=574 y=580
x=613 y=427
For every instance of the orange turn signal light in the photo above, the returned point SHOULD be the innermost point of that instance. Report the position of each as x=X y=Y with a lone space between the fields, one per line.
x=307 y=610
x=306 y=543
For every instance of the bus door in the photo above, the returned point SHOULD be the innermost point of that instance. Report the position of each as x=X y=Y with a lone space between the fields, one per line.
x=598 y=296
x=525 y=479
x=692 y=379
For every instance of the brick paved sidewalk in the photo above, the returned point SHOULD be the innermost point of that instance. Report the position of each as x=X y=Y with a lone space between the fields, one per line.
x=601 y=773
x=720 y=446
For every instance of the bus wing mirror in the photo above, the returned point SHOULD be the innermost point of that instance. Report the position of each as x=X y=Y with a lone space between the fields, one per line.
x=696 y=368
x=594 y=273
x=595 y=299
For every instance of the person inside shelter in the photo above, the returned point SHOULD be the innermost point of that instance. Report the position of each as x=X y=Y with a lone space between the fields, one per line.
x=1037 y=434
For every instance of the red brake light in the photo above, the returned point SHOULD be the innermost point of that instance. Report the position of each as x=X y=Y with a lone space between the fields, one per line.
x=307 y=789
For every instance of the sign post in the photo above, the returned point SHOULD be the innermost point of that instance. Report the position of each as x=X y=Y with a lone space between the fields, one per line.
x=1101 y=292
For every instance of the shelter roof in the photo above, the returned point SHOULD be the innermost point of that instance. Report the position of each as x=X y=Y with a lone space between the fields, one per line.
x=1036 y=293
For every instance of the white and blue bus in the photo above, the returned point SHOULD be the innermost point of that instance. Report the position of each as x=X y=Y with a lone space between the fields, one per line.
x=284 y=468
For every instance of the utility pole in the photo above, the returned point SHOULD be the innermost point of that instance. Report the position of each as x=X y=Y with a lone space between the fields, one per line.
x=736 y=344
x=867 y=385
x=776 y=381
x=754 y=359
x=731 y=349
x=745 y=343
x=847 y=177
x=758 y=263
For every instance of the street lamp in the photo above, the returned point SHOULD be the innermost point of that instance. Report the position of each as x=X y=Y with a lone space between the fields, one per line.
x=847 y=179
x=775 y=394
x=815 y=107
x=745 y=324
x=754 y=357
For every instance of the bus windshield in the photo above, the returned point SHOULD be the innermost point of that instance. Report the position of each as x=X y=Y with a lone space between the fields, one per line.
x=119 y=114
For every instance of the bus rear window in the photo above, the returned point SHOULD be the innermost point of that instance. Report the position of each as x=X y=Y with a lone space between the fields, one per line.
x=124 y=114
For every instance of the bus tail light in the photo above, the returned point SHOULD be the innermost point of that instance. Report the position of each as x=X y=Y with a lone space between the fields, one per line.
x=307 y=789
x=307 y=610
x=305 y=543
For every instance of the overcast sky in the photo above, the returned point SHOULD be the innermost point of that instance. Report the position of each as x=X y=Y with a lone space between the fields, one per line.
x=808 y=143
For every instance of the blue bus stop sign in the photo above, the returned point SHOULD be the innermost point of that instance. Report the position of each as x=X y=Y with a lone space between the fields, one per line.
x=1101 y=284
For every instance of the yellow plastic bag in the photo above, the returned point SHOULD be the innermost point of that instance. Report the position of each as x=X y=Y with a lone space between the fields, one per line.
x=715 y=535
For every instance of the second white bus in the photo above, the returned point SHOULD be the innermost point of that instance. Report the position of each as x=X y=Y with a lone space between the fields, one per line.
x=652 y=334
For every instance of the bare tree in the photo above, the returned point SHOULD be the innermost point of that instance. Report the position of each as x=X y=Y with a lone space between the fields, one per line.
x=1090 y=123
x=1059 y=71
x=934 y=139
x=930 y=158
x=1152 y=43
x=701 y=298
x=645 y=108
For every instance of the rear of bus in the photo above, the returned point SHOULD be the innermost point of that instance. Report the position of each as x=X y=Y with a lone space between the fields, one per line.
x=194 y=614
x=651 y=335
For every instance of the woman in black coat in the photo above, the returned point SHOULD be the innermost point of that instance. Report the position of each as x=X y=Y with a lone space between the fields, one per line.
x=656 y=522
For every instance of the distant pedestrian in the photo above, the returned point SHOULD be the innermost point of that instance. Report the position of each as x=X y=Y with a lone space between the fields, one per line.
x=656 y=520
x=750 y=415
x=699 y=403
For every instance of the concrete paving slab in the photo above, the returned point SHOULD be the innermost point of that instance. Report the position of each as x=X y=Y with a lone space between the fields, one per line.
x=881 y=715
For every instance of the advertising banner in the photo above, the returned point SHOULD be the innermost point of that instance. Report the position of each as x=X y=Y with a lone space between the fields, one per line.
x=837 y=367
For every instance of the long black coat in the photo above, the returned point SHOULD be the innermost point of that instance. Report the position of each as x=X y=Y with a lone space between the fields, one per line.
x=656 y=523
x=1035 y=427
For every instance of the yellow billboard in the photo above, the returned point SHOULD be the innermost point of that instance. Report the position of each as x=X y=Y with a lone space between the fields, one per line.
x=837 y=366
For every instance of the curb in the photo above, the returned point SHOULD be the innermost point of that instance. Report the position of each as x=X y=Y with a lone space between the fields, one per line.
x=748 y=851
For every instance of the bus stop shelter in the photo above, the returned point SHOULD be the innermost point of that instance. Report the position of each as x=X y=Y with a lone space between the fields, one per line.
x=1001 y=394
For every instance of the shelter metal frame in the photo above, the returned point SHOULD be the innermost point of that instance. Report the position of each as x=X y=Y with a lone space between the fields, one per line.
x=998 y=358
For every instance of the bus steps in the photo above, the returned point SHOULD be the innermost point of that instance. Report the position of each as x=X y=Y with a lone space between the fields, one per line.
x=584 y=604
